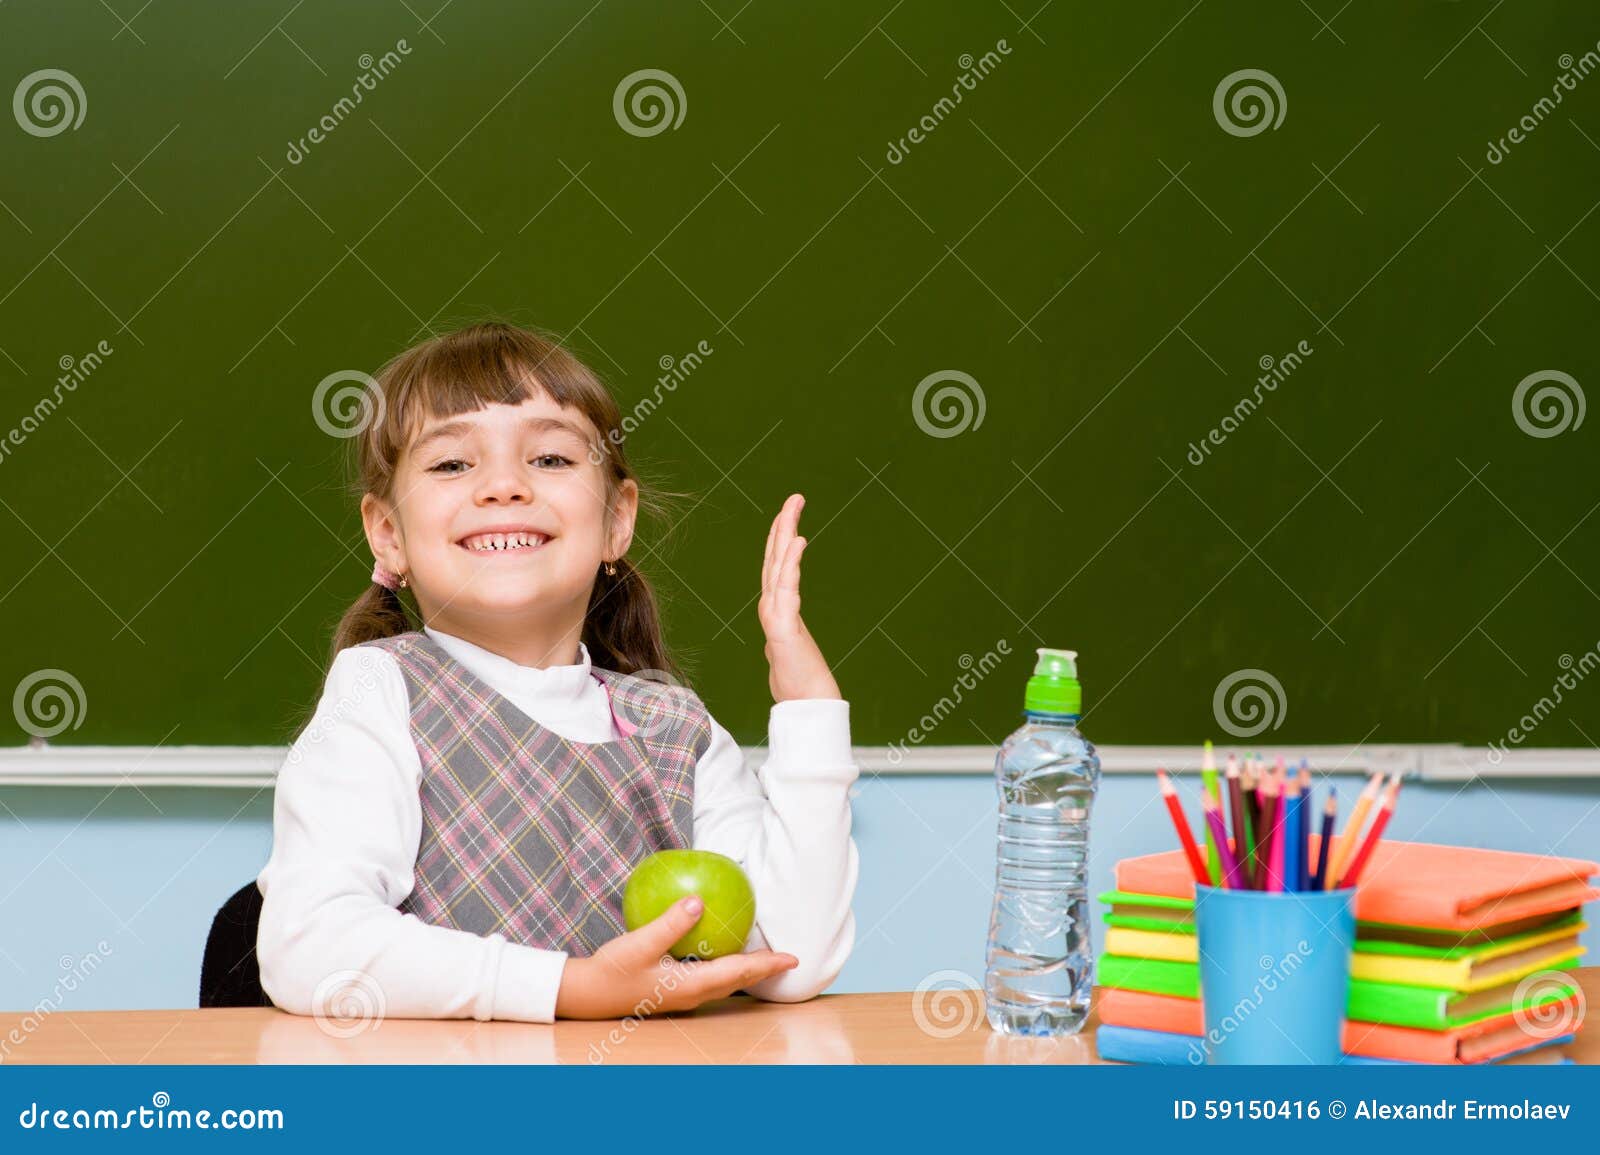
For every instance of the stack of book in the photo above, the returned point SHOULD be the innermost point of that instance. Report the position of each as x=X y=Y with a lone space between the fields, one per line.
x=1462 y=955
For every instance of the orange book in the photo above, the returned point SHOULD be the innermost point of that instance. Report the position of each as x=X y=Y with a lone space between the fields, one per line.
x=1419 y=883
x=1473 y=1043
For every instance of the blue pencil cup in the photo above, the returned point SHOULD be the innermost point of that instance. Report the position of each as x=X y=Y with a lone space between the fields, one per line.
x=1274 y=973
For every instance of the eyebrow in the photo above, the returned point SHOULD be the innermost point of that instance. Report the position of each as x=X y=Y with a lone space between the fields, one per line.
x=533 y=424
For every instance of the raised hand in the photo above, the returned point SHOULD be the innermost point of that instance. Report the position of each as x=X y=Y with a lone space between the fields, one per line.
x=797 y=667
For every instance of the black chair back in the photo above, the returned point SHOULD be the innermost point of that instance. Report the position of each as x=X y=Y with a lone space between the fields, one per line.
x=229 y=973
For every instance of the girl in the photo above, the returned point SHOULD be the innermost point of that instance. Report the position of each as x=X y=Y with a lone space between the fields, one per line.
x=453 y=828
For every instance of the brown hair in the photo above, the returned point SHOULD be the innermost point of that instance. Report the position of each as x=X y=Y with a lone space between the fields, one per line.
x=460 y=372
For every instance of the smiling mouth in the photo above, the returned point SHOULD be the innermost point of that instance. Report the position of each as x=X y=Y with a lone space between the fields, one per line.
x=503 y=543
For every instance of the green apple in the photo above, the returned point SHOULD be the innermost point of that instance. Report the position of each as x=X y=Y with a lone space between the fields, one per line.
x=668 y=875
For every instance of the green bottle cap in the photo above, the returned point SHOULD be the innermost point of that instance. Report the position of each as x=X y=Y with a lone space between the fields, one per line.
x=1054 y=688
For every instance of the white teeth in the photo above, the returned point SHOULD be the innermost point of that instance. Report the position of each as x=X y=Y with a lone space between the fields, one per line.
x=494 y=542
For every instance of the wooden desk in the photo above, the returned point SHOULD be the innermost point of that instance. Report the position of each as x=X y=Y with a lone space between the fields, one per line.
x=873 y=1028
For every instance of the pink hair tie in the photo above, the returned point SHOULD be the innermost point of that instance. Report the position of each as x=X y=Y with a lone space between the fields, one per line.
x=384 y=578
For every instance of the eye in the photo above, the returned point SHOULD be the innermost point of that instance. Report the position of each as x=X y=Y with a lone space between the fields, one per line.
x=442 y=467
x=556 y=457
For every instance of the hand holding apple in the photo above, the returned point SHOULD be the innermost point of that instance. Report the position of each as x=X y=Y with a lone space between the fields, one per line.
x=669 y=875
x=633 y=974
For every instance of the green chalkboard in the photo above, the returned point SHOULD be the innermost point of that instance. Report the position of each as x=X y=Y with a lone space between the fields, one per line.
x=1270 y=384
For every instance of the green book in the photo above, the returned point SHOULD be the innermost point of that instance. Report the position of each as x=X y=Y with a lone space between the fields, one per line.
x=1161 y=912
x=1430 y=1008
x=1366 y=944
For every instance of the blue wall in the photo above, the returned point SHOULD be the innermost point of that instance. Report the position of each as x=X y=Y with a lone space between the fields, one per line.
x=143 y=871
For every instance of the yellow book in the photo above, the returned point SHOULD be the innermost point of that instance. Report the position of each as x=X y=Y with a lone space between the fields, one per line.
x=1469 y=968
x=1462 y=974
x=1152 y=944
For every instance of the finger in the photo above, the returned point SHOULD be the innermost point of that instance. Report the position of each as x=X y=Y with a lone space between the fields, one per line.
x=789 y=576
x=766 y=563
x=761 y=964
x=774 y=553
x=655 y=938
x=757 y=968
x=783 y=609
x=796 y=504
x=778 y=539
x=719 y=977
x=787 y=518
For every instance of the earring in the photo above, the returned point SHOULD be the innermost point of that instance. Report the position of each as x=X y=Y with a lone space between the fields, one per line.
x=403 y=582
x=611 y=569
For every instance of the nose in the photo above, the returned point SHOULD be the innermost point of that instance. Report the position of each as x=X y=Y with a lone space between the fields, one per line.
x=503 y=482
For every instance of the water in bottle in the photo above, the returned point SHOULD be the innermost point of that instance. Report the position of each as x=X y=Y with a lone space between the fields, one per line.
x=1040 y=968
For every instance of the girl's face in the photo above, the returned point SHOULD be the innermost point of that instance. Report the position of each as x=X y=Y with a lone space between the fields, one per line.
x=498 y=518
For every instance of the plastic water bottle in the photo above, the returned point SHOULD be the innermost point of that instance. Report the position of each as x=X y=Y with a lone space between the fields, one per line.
x=1040 y=968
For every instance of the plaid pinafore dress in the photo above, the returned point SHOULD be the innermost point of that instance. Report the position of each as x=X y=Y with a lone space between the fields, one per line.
x=528 y=834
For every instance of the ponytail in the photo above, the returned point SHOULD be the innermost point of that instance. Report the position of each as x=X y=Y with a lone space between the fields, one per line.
x=622 y=627
x=377 y=613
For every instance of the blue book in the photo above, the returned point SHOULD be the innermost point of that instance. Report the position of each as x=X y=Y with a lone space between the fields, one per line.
x=1169 y=1049
x=1161 y=1048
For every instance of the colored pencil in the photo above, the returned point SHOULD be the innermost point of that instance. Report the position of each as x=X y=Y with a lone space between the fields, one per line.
x=1280 y=828
x=1306 y=818
x=1230 y=864
x=1252 y=822
x=1353 y=874
x=1252 y=816
x=1330 y=815
x=1252 y=776
x=1352 y=831
x=1293 y=845
x=1241 y=831
x=1252 y=867
x=1281 y=834
x=1208 y=780
x=1197 y=864
x=1272 y=841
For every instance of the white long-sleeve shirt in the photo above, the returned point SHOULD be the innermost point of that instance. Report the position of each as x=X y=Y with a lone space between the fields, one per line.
x=347 y=822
